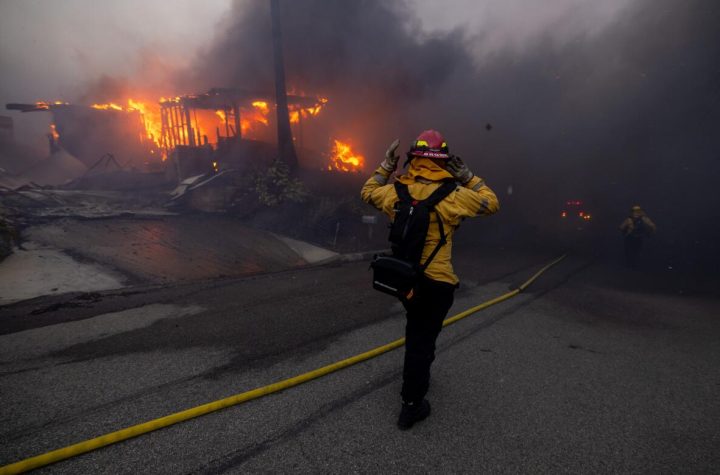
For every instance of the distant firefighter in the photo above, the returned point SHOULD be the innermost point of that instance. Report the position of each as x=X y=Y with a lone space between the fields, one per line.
x=635 y=228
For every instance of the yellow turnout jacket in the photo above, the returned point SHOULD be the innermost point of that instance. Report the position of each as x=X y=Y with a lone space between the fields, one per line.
x=473 y=199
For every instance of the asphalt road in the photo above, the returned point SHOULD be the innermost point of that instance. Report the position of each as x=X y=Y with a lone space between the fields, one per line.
x=594 y=369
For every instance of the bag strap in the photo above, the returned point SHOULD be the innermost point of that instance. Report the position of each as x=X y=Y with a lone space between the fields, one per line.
x=436 y=197
x=402 y=191
x=440 y=243
x=439 y=194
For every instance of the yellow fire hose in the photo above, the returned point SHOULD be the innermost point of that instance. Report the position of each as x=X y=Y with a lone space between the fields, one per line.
x=155 y=424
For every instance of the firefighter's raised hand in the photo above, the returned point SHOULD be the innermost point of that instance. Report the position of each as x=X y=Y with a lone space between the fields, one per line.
x=458 y=169
x=391 y=158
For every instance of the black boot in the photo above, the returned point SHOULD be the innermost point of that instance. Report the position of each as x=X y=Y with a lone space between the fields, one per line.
x=412 y=413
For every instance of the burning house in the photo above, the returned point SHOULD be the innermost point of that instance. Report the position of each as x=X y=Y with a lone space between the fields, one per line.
x=198 y=134
x=191 y=134
x=226 y=128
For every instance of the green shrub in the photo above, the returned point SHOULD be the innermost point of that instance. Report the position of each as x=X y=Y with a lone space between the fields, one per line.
x=276 y=185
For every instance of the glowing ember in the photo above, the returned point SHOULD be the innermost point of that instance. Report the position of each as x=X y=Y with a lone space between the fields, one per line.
x=54 y=132
x=343 y=159
x=46 y=105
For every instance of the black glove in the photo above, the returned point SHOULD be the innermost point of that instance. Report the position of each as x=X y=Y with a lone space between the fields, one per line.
x=458 y=169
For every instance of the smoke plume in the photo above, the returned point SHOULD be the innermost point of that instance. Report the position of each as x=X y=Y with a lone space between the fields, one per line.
x=626 y=114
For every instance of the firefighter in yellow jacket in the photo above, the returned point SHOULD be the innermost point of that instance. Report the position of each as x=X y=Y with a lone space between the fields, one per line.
x=430 y=165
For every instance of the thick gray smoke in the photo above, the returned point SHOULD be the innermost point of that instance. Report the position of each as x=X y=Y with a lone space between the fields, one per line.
x=629 y=114
x=364 y=56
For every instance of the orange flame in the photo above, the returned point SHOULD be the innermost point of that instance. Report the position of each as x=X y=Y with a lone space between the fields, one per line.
x=108 y=106
x=46 y=105
x=259 y=114
x=343 y=159
x=208 y=126
x=296 y=114
x=262 y=106
x=150 y=113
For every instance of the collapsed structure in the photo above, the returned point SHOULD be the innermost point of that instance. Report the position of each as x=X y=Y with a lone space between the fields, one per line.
x=90 y=132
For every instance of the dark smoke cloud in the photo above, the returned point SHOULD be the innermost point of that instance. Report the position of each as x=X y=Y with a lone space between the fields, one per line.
x=366 y=56
x=628 y=114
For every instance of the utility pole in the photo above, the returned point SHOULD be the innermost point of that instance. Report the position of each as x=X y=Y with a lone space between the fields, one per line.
x=286 y=147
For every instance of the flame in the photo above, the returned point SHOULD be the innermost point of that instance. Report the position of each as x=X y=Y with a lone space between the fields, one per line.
x=43 y=105
x=252 y=119
x=54 y=132
x=205 y=123
x=150 y=113
x=109 y=106
x=262 y=106
x=343 y=159
x=306 y=112
x=259 y=114
x=208 y=123
x=208 y=126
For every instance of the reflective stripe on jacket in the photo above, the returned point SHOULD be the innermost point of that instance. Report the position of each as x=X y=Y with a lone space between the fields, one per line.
x=473 y=199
